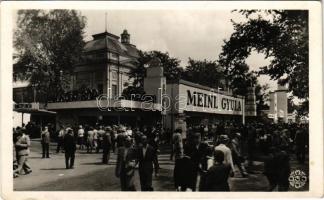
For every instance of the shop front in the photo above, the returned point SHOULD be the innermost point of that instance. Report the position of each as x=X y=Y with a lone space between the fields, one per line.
x=192 y=104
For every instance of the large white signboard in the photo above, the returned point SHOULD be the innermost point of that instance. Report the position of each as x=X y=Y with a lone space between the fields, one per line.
x=200 y=100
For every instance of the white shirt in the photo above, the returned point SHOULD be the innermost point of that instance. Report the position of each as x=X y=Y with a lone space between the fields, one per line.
x=61 y=133
x=144 y=150
x=129 y=132
x=227 y=154
x=81 y=132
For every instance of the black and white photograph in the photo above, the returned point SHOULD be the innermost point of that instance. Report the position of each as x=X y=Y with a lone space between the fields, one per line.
x=163 y=99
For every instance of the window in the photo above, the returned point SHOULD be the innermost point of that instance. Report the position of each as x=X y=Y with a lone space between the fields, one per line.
x=100 y=88
x=114 y=91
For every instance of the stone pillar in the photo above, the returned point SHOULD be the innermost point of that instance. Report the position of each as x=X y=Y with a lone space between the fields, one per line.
x=155 y=82
x=250 y=104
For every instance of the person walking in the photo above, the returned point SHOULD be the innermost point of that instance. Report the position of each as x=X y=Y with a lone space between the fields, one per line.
x=228 y=160
x=197 y=151
x=95 y=139
x=90 y=140
x=106 y=145
x=125 y=166
x=113 y=136
x=184 y=175
x=22 y=150
x=101 y=132
x=45 y=140
x=120 y=139
x=146 y=157
x=81 y=137
x=277 y=169
x=177 y=145
x=70 y=148
x=300 y=145
x=216 y=178
x=154 y=142
x=60 y=139
x=235 y=147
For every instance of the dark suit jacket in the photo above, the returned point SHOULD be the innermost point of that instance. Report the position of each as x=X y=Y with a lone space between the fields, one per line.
x=106 y=142
x=184 y=174
x=216 y=178
x=197 y=155
x=122 y=167
x=45 y=137
x=146 y=161
x=69 y=143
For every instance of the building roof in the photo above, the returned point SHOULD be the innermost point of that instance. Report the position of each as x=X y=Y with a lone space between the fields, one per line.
x=111 y=42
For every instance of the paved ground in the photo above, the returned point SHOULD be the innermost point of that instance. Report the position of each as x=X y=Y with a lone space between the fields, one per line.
x=90 y=175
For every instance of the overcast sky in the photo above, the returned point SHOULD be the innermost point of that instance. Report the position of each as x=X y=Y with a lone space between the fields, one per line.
x=182 y=33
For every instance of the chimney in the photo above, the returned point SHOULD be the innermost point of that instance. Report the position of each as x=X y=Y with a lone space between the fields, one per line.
x=125 y=37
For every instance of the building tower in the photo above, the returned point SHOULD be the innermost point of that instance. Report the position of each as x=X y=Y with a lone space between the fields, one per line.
x=125 y=37
x=250 y=104
x=279 y=104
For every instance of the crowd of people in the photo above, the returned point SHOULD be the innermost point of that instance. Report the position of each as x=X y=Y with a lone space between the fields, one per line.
x=82 y=94
x=204 y=156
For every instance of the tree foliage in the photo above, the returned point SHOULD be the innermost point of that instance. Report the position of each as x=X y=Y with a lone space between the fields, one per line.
x=282 y=36
x=171 y=68
x=207 y=73
x=261 y=97
x=47 y=44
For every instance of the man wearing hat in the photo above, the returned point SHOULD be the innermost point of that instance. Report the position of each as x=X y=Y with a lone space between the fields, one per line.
x=223 y=140
x=146 y=157
x=60 y=138
x=106 y=145
x=177 y=145
x=197 y=151
x=235 y=147
x=125 y=165
x=101 y=133
x=121 y=136
x=70 y=148
x=45 y=142
x=22 y=150
x=81 y=137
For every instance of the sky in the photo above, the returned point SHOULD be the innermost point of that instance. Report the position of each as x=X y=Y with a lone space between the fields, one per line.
x=182 y=33
x=198 y=34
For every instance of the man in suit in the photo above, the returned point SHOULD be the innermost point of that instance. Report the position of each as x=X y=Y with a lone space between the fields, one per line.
x=106 y=145
x=22 y=149
x=184 y=174
x=125 y=165
x=146 y=157
x=300 y=143
x=197 y=151
x=216 y=178
x=60 y=138
x=70 y=147
x=45 y=142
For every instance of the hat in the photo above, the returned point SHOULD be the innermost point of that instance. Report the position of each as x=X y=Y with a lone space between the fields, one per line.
x=223 y=138
x=122 y=129
x=108 y=128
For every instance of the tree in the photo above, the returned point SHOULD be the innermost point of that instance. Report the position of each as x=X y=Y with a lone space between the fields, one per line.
x=47 y=43
x=170 y=65
x=282 y=36
x=261 y=97
x=207 y=73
